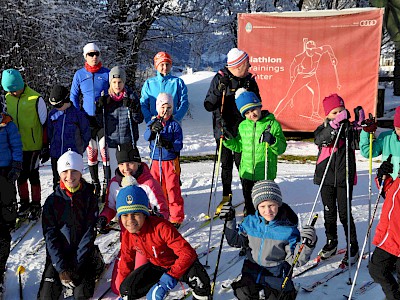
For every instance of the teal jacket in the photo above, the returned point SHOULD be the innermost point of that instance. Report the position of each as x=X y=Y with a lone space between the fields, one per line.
x=386 y=143
x=252 y=164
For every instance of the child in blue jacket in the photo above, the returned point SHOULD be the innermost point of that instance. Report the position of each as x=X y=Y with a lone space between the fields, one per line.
x=67 y=128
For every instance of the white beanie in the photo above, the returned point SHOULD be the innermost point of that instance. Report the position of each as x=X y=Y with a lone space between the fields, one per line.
x=235 y=58
x=70 y=160
x=164 y=98
x=89 y=48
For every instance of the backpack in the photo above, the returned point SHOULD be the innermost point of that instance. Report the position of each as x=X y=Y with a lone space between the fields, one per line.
x=8 y=201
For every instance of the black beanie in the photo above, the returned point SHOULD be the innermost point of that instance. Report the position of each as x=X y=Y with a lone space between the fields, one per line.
x=126 y=153
x=58 y=94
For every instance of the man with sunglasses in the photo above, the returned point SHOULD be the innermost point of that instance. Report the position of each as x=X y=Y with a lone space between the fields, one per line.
x=89 y=83
x=67 y=128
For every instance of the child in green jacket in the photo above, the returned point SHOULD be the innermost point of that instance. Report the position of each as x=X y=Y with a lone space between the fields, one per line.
x=260 y=139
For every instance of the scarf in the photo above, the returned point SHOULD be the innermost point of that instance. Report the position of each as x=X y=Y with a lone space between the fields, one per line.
x=93 y=69
x=116 y=97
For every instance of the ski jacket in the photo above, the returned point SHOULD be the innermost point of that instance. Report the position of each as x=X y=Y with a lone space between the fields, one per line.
x=172 y=132
x=26 y=115
x=67 y=129
x=324 y=138
x=387 y=233
x=252 y=163
x=68 y=223
x=118 y=128
x=146 y=182
x=386 y=143
x=231 y=114
x=161 y=243
x=269 y=244
x=10 y=141
x=164 y=84
x=89 y=86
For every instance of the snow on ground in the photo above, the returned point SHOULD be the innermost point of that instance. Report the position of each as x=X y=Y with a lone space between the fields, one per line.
x=295 y=180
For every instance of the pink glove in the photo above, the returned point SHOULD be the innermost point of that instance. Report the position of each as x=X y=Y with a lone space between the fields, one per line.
x=340 y=117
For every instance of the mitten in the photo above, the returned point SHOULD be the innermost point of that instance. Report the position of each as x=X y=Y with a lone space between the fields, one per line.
x=160 y=289
x=223 y=83
x=340 y=118
x=359 y=116
x=44 y=155
x=66 y=279
x=369 y=125
x=309 y=236
x=386 y=169
x=267 y=137
x=227 y=212
x=101 y=225
x=16 y=168
x=157 y=126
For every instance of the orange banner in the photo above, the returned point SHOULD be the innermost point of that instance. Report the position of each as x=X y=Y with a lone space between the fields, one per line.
x=302 y=57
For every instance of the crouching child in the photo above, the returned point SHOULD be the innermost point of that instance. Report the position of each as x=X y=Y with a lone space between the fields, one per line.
x=171 y=258
x=272 y=240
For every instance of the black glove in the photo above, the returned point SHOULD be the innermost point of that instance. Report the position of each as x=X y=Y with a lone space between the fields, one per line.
x=103 y=100
x=227 y=134
x=223 y=83
x=165 y=143
x=267 y=137
x=101 y=225
x=16 y=168
x=369 y=125
x=386 y=169
x=227 y=212
x=309 y=236
x=44 y=155
x=157 y=126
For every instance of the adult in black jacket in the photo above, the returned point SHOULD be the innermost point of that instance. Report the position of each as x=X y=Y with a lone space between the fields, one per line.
x=227 y=81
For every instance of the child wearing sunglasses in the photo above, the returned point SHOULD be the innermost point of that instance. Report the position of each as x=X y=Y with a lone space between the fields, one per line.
x=67 y=128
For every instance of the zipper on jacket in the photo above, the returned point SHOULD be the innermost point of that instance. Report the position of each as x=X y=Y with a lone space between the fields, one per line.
x=254 y=151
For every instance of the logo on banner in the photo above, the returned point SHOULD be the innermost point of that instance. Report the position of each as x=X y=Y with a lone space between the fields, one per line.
x=368 y=22
x=248 y=27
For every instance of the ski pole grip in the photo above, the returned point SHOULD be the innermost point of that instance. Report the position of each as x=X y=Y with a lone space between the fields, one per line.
x=314 y=220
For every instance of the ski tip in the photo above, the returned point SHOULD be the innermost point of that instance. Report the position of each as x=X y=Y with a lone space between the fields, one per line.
x=317 y=259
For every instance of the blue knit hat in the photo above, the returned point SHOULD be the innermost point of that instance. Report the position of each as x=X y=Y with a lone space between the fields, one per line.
x=246 y=100
x=132 y=199
x=11 y=80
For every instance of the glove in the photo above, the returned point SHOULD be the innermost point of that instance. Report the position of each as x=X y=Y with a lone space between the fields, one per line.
x=359 y=115
x=16 y=168
x=340 y=118
x=369 y=125
x=223 y=83
x=44 y=155
x=227 y=212
x=227 y=134
x=309 y=236
x=386 y=169
x=159 y=290
x=166 y=144
x=66 y=279
x=103 y=100
x=101 y=225
x=267 y=137
x=157 y=126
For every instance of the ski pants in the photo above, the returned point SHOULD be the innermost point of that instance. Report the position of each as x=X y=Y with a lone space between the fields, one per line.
x=228 y=157
x=335 y=199
x=92 y=149
x=5 y=242
x=380 y=267
x=30 y=170
x=247 y=187
x=137 y=284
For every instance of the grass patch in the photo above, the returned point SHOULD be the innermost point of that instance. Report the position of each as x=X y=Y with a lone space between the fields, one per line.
x=290 y=158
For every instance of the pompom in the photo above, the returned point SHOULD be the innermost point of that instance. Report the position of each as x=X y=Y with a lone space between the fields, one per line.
x=239 y=91
x=128 y=180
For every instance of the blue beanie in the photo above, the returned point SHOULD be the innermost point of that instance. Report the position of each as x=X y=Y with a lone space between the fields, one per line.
x=246 y=100
x=132 y=199
x=11 y=80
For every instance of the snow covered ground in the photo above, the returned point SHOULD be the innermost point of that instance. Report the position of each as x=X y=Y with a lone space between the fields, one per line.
x=295 y=180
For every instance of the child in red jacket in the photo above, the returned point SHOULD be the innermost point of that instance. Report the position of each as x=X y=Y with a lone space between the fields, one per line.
x=171 y=258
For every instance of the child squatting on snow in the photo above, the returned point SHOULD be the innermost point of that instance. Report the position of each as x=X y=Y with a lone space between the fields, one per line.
x=171 y=258
x=258 y=133
x=272 y=240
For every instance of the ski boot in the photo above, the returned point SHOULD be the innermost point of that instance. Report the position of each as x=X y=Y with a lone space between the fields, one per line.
x=35 y=211
x=23 y=210
x=225 y=199
x=329 y=249
x=354 y=256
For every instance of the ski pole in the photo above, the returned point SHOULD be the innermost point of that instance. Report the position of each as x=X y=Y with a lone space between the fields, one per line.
x=324 y=175
x=156 y=141
x=130 y=127
x=368 y=231
x=348 y=200
x=266 y=153
x=20 y=271
x=370 y=190
x=106 y=157
x=295 y=260
x=219 y=253
x=212 y=180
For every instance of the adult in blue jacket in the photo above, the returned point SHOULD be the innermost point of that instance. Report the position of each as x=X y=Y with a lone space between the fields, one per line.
x=86 y=89
x=166 y=83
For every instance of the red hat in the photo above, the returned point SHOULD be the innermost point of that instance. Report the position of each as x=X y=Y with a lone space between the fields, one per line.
x=396 y=120
x=331 y=102
x=162 y=57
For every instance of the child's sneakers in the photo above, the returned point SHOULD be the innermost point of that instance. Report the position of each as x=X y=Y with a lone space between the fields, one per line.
x=329 y=249
x=225 y=199
x=354 y=256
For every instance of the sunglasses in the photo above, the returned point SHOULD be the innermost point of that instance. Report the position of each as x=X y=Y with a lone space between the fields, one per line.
x=91 y=54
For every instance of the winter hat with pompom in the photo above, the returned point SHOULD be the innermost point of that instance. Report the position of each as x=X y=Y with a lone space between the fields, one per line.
x=161 y=57
x=264 y=190
x=117 y=72
x=331 y=102
x=246 y=100
x=132 y=199
x=90 y=47
x=235 y=58
x=70 y=160
x=127 y=153
x=11 y=80
x=164 y=98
